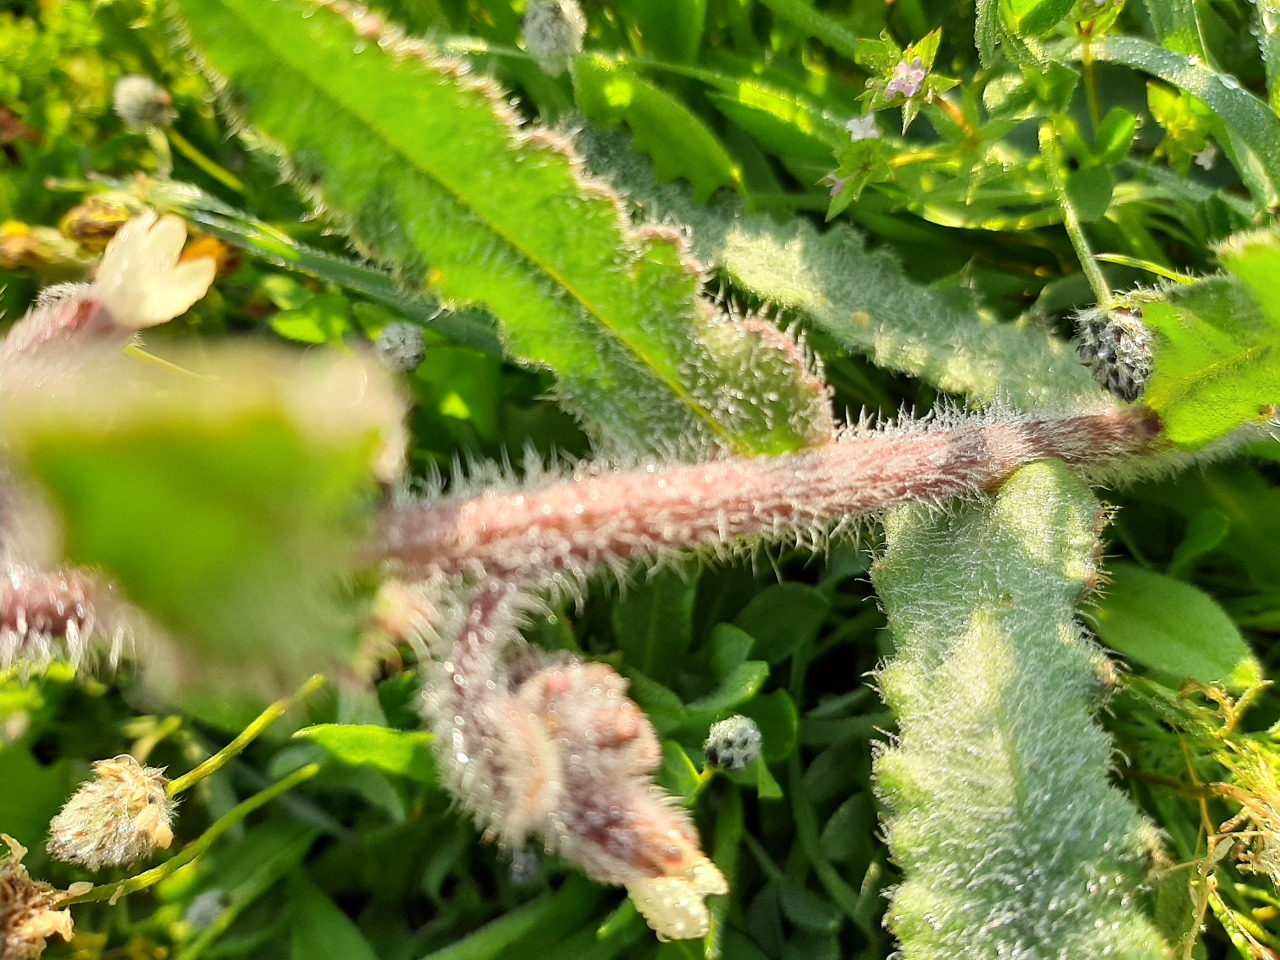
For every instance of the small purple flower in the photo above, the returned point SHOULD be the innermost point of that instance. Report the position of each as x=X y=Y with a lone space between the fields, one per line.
x=908 y=78
x=862 y=128
x=835 y=183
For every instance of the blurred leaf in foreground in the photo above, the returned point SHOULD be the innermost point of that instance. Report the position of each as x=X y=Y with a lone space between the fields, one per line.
x=226 y=504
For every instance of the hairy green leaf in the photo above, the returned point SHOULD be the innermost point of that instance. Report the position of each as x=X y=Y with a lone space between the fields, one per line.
x=863 y=301
x=1217 y=346
x=426 y=168
x=997 y=787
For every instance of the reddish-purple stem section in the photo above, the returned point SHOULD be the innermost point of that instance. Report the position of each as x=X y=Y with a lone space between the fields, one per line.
x=576 y=525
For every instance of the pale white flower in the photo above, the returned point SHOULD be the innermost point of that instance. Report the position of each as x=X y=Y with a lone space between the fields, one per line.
x=140 y=281
x=1206 y=158
x=863 y=128
x=675 y=907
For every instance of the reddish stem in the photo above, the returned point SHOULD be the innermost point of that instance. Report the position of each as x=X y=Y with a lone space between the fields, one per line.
x=572 y=527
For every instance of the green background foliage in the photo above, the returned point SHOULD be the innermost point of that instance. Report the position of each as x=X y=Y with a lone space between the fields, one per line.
x=1143 y=132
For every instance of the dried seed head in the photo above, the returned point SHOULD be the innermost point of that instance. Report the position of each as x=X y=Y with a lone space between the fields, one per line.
x=27 y=908
x=142 y=103
x=733 y=744
x=1116 y=348
x=117 y=818
x=553 y=30
x=401 y=347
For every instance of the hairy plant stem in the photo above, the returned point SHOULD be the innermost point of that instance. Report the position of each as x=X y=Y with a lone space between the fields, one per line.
x=570 y=528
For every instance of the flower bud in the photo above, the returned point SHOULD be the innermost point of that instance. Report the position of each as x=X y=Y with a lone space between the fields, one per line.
x=27 y=914
x=142 y=103
x=401 y=347
x=1116 y=348
x=733 y=744
x=118 y=818
x=553 y=30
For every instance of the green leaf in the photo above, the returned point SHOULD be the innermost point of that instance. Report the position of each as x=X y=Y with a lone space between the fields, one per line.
x=424 y=167
x=1174 y=628
x=1206 y=530
x=1250 y=119
x=767 y=788
x=544 y=921
x=738 y=687
x=227 y=504
x=806 y=909
x=862 y=300
x=1217 y=345
x=662 y=128
x=322 y=319
x=665 y=709
x=1089 y=191
x=405 y=753
x=782 y=617
x=729 y=648
x=672 y=29
x=786 y=121
x=848 y=832
x=678 y=773
x=318 y=929
x=1115 y=135
x=779 y=722
x=993 y=36
x=1035 y=17
x=653 y=623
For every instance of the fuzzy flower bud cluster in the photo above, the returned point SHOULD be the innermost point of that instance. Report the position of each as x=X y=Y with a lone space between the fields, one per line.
x=29 y=913
x=118 y=818
x=547 y=747
x=401 y=347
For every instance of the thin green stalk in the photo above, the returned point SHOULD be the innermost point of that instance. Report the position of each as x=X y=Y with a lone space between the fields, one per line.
x=114 y=891
x=1070 y=218
x=246 y=737
x=841 y=893
x=214 y=170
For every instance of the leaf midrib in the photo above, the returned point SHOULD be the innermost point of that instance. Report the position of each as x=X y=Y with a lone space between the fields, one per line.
x=676 y=388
